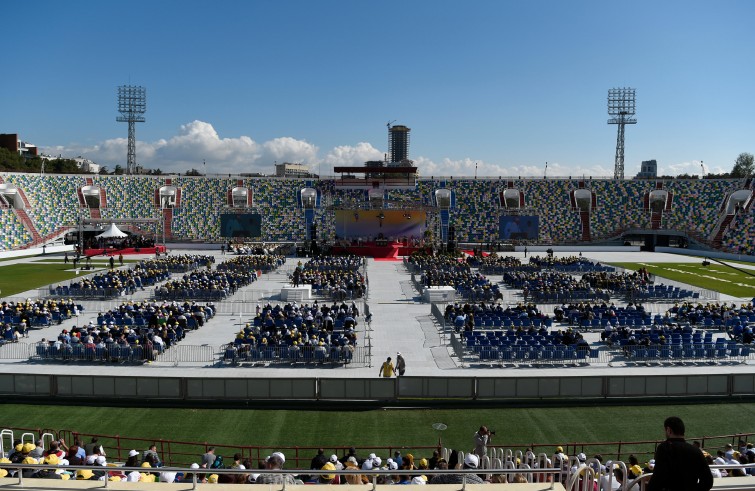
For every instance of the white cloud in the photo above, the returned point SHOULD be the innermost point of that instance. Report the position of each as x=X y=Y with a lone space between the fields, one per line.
x=692 y=168
x=346 y=155
x=466 y=167
x=198 y=141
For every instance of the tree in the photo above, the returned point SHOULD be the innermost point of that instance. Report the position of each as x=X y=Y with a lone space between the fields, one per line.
x=744 y=166
x=118 y=170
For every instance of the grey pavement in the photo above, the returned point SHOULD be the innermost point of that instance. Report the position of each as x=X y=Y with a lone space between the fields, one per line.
x=401 y=323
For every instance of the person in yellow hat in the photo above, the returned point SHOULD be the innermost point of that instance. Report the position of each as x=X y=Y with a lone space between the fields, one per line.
x=29 y=472
x=3 y=472
x=147 y=476
x=328 y=478
x=84 y=475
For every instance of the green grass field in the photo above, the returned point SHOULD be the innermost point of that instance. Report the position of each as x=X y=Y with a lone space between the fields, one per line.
x=388 y=428
x=17 y=278
x=714 y=277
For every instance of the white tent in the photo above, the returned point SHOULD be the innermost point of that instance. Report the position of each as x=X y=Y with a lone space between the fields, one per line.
x=112 y=232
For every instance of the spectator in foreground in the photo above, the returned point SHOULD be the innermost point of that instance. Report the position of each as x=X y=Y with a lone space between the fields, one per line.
x=471 y=461
x=275 y=462
x=679 y=465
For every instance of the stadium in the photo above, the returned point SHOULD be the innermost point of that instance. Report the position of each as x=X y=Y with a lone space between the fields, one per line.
x=512 y=294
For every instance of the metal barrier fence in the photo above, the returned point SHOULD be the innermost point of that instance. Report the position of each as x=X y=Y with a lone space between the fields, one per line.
x=306 y=355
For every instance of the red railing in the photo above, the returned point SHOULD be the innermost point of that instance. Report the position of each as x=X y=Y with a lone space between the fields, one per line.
x=183 y=453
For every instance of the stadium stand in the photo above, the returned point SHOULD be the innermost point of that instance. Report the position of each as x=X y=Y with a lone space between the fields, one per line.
x=54 y=203
x=14 y=234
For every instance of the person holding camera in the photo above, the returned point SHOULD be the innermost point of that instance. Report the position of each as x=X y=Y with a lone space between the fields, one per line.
x=481 y=440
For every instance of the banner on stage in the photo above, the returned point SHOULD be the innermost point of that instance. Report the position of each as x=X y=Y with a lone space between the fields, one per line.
x=373 y=223
x=517 y=227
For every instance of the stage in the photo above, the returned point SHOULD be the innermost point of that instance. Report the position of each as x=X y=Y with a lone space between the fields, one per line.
x=126 y=252
x=377 y=249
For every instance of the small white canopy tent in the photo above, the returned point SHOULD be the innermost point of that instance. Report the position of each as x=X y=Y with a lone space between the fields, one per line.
x=112 y=232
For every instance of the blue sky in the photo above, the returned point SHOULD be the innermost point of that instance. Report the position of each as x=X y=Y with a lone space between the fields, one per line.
x=506 y=85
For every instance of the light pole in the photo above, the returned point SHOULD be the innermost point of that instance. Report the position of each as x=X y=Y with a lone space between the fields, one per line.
x=702 y=168
x=545 y=172
x=204 y=165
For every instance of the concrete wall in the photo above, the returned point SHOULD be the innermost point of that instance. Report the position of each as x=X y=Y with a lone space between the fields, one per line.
x=194 y=389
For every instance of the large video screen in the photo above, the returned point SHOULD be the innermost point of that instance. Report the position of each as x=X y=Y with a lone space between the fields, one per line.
x=240 y=225
x=517 y=227
x=372 y=223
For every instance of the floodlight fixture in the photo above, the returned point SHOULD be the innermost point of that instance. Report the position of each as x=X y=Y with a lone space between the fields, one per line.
x=621 y=106
x=132 y=104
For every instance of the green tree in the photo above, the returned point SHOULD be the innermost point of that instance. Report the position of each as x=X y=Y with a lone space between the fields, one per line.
x=744 y=166
x=118 y=170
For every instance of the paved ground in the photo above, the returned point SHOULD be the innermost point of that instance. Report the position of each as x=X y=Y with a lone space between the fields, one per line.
x=401 y=322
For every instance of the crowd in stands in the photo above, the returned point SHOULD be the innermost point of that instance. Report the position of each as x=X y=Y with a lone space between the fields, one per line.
x=135 y=331
x=295 y=332
x=180 y=263
x=239 y=247
x=206 y=285
x=471 y=316
x=390 y=469
x=337 y=277
x=40 y=312
x=263 y=263
x=449 y=270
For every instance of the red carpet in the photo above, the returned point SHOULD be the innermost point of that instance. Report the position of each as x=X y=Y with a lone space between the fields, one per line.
x=125 y=252
x=390 y=251
x=389 y=259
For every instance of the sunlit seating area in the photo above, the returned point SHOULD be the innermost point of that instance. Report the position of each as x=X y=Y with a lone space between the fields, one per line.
x=14 y=233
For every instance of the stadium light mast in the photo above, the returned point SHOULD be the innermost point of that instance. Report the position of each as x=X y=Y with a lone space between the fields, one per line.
x=621 y=106
x=132 y=104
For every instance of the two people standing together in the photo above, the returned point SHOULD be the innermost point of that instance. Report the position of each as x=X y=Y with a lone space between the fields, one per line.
x=387 y=369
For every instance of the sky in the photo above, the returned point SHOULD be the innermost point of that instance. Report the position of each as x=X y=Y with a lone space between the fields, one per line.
x=495 y=87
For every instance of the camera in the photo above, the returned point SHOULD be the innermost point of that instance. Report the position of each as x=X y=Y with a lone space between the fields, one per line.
x=491 y=432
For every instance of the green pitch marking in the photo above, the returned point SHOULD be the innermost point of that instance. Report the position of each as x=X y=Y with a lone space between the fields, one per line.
x=714 y=277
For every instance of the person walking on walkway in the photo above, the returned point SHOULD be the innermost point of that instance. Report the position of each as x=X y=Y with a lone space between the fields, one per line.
x=400 y=365
x=387 y=370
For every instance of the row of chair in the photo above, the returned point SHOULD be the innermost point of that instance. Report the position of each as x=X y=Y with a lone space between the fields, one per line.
x=115 y=353
x=686 y=352
x=286 y=355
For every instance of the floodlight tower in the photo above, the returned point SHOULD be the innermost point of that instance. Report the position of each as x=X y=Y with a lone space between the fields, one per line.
x=621 y=106
x=132 y=104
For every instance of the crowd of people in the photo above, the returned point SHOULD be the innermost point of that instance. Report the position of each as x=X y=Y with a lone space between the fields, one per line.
x=450 y=270
x=246 y=262
x=337 y=277
x=292 y=331
x=16 y=318
x=208 y=284
x=163 y=326
x=676 y=464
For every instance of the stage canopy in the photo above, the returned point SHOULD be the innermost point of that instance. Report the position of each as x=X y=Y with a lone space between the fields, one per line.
x=112 y=232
